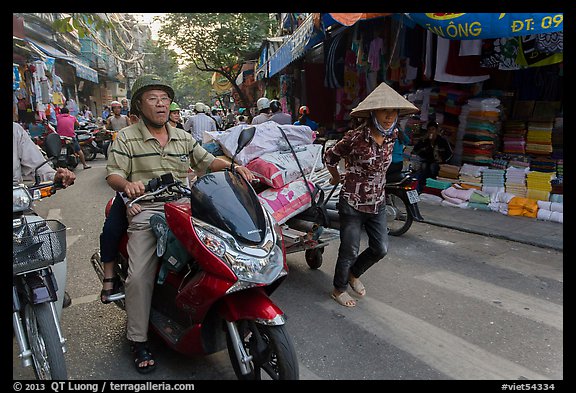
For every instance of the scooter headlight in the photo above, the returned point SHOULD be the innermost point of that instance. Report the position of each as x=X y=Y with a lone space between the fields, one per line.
x=251 y=264
x=211 y=241
x=21 y=199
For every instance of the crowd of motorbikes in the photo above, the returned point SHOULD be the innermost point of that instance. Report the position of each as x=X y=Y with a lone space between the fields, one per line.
x=231 y=258
x=93 y=140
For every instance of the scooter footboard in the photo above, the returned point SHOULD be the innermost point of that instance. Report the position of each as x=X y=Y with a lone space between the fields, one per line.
x=251 y=304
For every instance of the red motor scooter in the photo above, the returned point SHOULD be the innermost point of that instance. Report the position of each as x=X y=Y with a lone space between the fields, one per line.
x=222 y=255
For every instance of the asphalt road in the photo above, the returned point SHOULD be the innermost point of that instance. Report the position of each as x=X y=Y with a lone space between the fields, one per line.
x=442 y=305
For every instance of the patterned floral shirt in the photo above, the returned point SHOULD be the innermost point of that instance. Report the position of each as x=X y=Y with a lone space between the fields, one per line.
x=366 y=163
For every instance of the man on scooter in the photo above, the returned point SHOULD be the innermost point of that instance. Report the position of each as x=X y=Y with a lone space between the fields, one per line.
x=143 y=151
x=25 y=159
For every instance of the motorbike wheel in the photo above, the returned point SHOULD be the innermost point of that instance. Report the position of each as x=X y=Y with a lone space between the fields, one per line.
x=72 y=161
x=314 y=257
x=272 y=351
x=398 y=215
x=42 y=335
x=89 y=152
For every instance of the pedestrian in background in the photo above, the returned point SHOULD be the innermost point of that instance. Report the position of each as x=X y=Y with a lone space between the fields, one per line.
x=65 y=126
x=125 y=108
x=304 y=119
x=277 y=115
x=263 y=106
x=367 y=152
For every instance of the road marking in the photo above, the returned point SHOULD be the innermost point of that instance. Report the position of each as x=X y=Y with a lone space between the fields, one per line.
x=71 y=239
x=514 y=302
x=445 y=352
x=54 y=214
x=546 y=266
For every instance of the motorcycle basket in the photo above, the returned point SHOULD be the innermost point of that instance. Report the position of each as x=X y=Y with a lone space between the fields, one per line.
x=37 y=245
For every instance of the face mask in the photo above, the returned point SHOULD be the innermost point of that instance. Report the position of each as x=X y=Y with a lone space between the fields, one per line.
x=382 y=130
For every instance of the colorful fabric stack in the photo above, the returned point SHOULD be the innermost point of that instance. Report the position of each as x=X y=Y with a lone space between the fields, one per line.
x=471 y=176
x=449 y=173
x=480 y=139
x=435 y=187
x=516 y=181
x=539 y=185
x=539 y=138
x=542 y=164
x=526 y=207
x=514 y=137
x=560 y=168
x=493 y=180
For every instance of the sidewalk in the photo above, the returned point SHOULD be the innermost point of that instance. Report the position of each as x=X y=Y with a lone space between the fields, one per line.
x=546 y=234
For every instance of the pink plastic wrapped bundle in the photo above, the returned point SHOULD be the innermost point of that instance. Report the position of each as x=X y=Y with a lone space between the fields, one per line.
x=286 y=202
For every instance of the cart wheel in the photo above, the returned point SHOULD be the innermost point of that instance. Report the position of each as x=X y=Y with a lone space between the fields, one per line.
x=314 y=257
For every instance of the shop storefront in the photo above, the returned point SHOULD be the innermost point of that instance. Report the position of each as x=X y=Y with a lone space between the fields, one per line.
x=495 y=91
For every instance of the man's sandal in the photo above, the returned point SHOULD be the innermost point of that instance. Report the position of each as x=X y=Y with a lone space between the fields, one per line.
x=344 y=299
x=358 y=287
x=112 y=294
x=142 y=354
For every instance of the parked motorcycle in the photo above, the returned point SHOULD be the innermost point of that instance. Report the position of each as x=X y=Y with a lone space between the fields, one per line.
x=104 y=138
x=67 y=157
x=222 y=256
x=37 y=245
x=87 y=142
x=401 y=202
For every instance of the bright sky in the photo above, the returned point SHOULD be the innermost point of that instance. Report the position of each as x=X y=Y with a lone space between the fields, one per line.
x=148 y=19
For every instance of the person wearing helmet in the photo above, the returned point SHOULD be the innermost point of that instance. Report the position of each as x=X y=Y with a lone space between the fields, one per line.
x=263 y=106
x=367 y=153
x=304 y=119
x=141 y=152
x=117 y=121
x=277 y=115
x=174 y=116
x=200 y=122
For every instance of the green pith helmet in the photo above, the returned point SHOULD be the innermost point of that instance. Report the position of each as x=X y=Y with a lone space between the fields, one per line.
x=174 y=107
x=147 y=82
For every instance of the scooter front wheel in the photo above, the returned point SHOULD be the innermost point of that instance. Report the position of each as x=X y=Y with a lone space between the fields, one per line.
x=42 y=334
x=271 y=350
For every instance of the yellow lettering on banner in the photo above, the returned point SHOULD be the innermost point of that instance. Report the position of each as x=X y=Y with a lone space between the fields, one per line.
x=517 y=25
x=549 y=21
x=473 y=29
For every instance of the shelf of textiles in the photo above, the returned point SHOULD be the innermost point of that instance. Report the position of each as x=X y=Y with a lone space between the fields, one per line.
x=513 y=189
x=479 y=131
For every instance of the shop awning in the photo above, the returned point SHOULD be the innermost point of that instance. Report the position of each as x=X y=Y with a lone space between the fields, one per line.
x=82 y=71
x=466 y=26
x=304 y=38
x=349 y=19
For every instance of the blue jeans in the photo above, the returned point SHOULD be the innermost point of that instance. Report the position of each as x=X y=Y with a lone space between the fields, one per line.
x=351 y=223
x=115 y=226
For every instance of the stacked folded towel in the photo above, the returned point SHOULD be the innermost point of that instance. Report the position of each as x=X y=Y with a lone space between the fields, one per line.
x=539 y=185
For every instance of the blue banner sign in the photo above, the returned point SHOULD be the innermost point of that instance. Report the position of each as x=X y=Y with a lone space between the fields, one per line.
x=464 y=26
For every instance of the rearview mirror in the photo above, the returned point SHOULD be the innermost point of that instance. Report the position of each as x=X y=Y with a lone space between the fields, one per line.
x=245 y=137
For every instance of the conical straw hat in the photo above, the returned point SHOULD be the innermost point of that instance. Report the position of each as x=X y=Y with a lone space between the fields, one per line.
x=384 y=97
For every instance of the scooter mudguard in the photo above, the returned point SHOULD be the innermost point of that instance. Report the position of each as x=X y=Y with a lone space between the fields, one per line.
x=415 y=211
x=251 y=304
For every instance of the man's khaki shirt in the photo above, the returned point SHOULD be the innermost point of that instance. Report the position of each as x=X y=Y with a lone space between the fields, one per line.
x=136 y=155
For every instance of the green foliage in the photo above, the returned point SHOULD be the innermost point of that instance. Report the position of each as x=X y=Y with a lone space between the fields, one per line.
x=216 y=42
